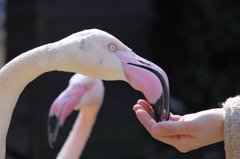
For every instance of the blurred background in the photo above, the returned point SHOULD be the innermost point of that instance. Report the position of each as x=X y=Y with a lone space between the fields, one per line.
x=196 y=42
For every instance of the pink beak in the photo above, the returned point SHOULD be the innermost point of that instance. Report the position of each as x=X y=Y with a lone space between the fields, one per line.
x=148 y=78
x=61 y=108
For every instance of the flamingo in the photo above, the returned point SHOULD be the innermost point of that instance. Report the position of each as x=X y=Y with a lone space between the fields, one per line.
x=92 y=52
x=83 y=93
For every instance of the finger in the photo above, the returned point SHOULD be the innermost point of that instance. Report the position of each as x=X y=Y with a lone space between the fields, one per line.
x=175 y=117
x=145 y=104
x=164 y=115
x=142 y=104
x=139 y=107
x=145 y=119
x=150 y=124
x=142 y=101
x=170 y=128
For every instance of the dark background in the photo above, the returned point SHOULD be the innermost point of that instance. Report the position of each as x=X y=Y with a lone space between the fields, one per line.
x=196 y=42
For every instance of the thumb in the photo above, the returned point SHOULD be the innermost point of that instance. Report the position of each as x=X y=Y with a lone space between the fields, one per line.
x=170 y=128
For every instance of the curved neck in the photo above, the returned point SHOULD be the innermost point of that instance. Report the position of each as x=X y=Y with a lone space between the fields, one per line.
x=77 y=139
x=14 y=77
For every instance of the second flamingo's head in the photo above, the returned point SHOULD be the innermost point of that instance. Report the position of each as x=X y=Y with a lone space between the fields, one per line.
x=81 y=92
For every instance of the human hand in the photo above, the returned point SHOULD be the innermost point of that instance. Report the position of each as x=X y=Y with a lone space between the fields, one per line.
x=186 y=132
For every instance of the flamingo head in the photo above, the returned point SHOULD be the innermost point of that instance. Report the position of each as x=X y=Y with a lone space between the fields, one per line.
x=82 y=91
x=98 y=54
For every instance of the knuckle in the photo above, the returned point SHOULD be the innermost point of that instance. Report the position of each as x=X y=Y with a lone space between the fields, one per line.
x=163 y=130
x=183 y=149
x=154 y=134
x=168 y=129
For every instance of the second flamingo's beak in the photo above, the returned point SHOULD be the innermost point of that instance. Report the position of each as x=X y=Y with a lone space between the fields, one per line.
x=148 y=78
x=61 y=108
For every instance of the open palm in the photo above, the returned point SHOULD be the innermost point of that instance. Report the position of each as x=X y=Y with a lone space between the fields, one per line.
x=186 y=132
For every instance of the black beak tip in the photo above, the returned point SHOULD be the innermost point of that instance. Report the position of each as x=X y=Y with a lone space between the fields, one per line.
x=51 y=139
x=53 y=128
x=51 y=143
x=158 y=112
x=159 y=108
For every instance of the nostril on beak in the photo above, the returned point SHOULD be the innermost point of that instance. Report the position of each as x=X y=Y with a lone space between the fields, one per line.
x=144 y=63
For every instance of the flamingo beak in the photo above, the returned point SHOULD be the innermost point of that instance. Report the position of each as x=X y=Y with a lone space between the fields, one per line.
x=148 y=78
x=61 y=108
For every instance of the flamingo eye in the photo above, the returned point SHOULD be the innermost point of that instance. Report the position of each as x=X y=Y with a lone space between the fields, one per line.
x=112 y=47
x=89 y=86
